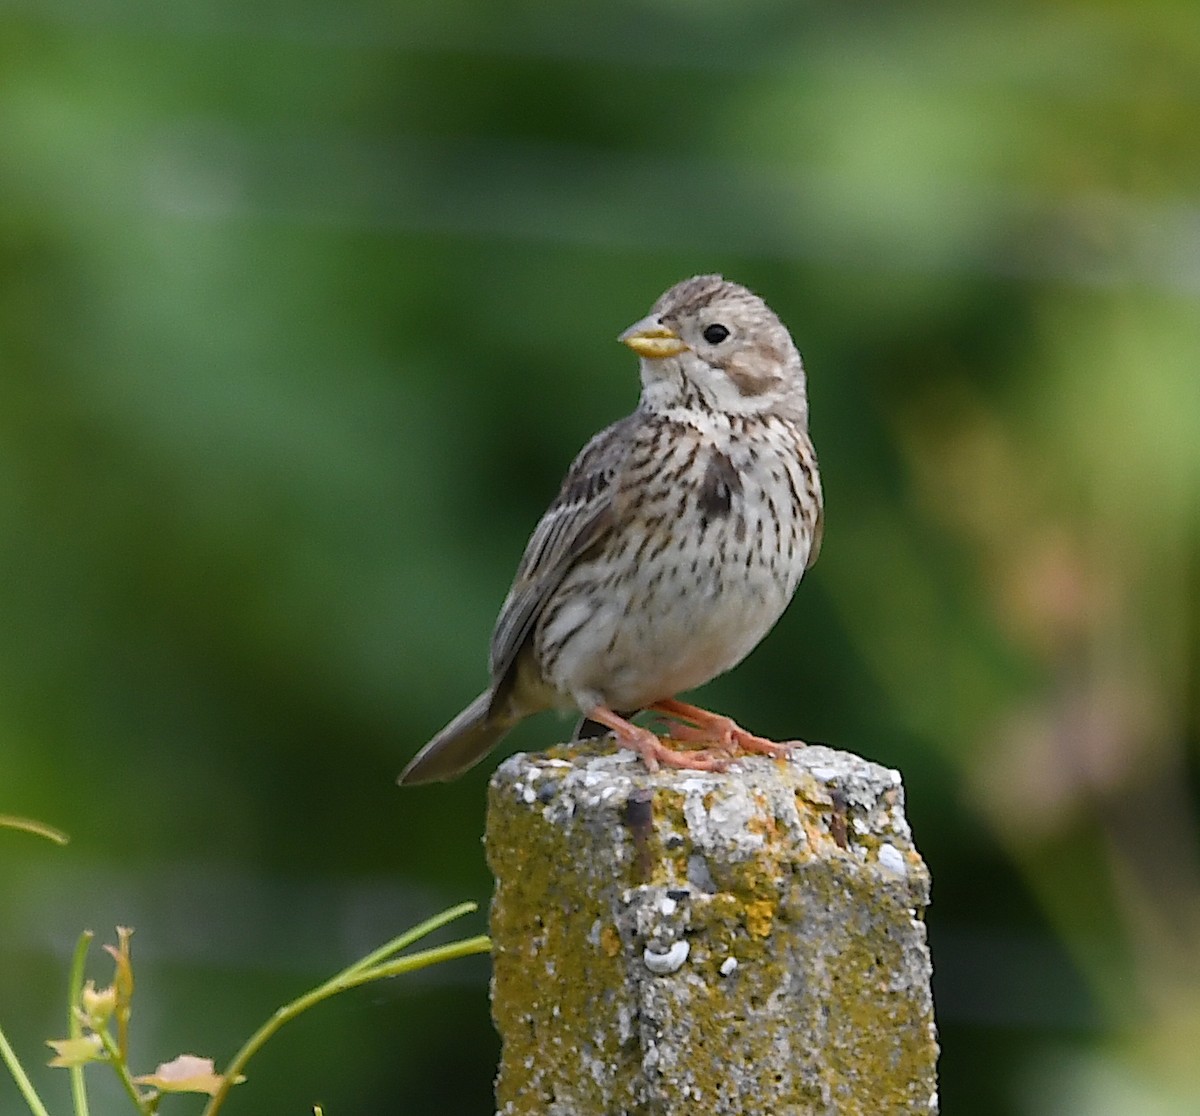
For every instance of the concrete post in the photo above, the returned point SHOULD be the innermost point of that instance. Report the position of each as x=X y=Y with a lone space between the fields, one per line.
x=747 y=943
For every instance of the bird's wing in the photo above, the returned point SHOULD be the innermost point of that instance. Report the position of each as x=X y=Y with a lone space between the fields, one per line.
x=581 y=513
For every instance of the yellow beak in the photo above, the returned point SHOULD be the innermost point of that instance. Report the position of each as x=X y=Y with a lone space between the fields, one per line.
x=651 y=339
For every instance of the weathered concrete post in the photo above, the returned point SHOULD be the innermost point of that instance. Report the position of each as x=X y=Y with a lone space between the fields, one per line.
x=746 y=943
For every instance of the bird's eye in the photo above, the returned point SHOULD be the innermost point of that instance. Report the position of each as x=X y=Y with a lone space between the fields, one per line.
x=715 y=333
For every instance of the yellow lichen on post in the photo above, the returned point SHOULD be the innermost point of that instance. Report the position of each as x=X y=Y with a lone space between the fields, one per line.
x=746 y=942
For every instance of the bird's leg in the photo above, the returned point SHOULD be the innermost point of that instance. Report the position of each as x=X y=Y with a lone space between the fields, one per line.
x=703 y=727
x=652 y=750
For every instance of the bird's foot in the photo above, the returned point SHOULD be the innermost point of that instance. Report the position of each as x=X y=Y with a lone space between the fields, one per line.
x=702 y=727
x=654 y=751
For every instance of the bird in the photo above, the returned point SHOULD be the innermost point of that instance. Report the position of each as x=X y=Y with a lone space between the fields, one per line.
x=675 y=543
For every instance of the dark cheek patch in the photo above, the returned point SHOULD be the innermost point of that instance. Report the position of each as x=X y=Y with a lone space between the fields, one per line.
x=749 y=381
x=754 y=370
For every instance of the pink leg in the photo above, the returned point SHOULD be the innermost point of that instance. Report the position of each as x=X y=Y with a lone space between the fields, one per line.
x=652 y=750
x=704 y=727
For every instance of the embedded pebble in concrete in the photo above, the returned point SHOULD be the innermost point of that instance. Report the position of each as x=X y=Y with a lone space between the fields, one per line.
x=668 y=961
x=892 y=859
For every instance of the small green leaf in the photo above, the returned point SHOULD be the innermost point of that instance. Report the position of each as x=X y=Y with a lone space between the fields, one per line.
x=76 y=1051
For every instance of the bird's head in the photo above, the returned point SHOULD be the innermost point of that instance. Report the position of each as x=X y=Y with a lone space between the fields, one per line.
x=711 y=342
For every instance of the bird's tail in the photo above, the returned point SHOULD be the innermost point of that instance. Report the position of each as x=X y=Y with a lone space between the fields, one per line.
x=460 y=745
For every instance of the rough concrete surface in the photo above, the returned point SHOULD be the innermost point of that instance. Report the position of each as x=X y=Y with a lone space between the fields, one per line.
x=686 y=942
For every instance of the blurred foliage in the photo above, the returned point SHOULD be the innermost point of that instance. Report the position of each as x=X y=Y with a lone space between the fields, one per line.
x=304 y=310
x=92 y=1014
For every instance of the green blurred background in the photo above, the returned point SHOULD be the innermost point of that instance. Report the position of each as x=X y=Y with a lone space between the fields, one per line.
x=304 y=309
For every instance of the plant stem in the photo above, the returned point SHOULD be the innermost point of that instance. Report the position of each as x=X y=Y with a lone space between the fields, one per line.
x=40 y=829
x=122 y=1070
x=407 y=938
x=352 y=977
x=468 y=946
x=74 y=1026
x=21 y=1078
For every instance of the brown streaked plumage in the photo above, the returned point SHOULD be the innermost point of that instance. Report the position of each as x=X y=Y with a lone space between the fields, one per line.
x=673 y=546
